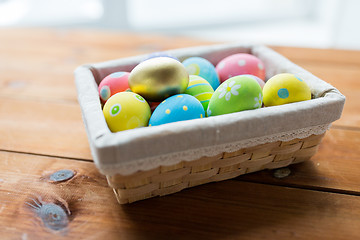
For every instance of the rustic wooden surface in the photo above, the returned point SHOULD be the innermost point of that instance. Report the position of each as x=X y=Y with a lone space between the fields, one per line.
x=42 y=134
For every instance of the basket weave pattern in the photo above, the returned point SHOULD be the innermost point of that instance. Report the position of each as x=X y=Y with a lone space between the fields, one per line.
x=170 y=179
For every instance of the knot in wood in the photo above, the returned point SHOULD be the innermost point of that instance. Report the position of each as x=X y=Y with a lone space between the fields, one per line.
x=282 y=172
x=53 y=216
x=62 y=175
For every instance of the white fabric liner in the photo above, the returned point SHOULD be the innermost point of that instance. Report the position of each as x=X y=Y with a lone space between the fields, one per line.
x=146 y=148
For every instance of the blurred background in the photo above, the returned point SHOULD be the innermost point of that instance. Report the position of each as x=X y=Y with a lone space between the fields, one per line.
x=303 y=23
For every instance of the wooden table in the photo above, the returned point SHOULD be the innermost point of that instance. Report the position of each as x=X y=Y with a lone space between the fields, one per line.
x=42 y=133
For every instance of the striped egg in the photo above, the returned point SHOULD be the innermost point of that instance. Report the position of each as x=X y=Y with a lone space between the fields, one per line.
x=200 y=89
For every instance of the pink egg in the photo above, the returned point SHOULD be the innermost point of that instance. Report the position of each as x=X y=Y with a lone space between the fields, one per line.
x=112 y=84
x=239 y=64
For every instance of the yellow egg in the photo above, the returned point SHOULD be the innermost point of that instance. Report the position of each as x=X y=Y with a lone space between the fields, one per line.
x=285 y=88
x=158 y=78
x=126 y=110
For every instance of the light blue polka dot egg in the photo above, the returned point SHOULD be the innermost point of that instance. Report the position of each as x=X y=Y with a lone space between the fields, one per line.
x=203 y=68
x=176 y=108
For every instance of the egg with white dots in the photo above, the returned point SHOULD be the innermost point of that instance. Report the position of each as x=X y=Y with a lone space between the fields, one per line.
x=236 y=94
x=203 y=68
x=176 y=108
x=285 y=88
x=240 y=64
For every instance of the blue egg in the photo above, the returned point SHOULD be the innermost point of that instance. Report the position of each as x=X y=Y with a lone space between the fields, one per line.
x=159 y=54
x=203 y=68
x=176 y=108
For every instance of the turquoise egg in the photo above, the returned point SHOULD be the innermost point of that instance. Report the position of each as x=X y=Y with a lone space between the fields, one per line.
x=203 y=68
x=176 y=108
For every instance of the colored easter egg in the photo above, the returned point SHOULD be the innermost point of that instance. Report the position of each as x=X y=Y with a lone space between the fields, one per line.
x=285 y=88
x=176 y=108
x=113 y=83
x=200 y=89
x=235 y=94
x=203 y=68
x=160 y=54
x=158 y=78
x=259 y=80
x=239 y=64
x=126 y=110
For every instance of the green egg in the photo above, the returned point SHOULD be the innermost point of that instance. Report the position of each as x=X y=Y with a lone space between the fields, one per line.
x=200 y=89
x=236 y=94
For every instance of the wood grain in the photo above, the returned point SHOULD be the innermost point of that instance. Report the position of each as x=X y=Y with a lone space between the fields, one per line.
x=228 y=209
x=335 y=167
x=47 y=128
x=313 y=55
x=351 y=113
x=42 y=66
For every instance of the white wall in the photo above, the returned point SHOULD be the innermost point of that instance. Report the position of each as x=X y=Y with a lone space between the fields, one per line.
x=310 y=23
x=347 y=25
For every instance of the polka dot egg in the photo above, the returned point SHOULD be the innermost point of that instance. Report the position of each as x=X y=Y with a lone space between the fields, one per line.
x=176 y=108
x=239 y=64
x=235 y=94
x=113 y=83
x=203 y=68
x=200 y=89
x=126 y=110
x=285 y=88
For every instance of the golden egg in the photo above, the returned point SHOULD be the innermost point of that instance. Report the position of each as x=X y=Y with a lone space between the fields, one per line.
x=158 y=78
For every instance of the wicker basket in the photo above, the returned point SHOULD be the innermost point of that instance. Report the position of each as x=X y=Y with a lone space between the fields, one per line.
x=138 y=166
x=170 y=179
